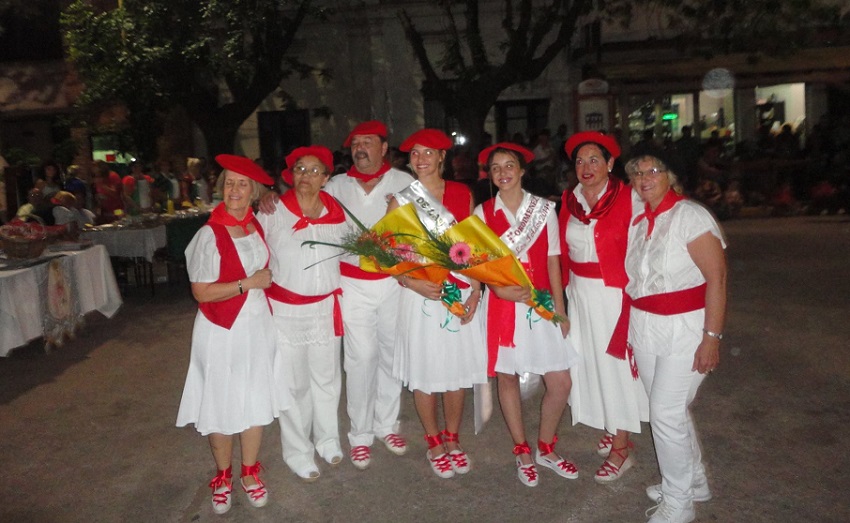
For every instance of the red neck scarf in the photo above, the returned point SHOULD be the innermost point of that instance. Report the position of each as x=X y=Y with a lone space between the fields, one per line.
x=602 y=206
x=670 y=199
x=334 y=215
x=354 y=173
x=222 y=217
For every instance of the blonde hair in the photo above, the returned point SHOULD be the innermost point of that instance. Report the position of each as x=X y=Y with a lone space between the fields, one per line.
x=672 y=179
x=256 y=188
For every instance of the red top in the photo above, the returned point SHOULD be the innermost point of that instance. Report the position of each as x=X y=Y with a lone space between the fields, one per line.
x=611 y=236
x=457 y=198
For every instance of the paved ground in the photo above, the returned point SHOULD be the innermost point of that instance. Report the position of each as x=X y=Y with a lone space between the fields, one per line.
x=87 y=432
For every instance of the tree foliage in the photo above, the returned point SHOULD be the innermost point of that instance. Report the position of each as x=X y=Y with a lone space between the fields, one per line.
x=217 y=59
x=468 y=77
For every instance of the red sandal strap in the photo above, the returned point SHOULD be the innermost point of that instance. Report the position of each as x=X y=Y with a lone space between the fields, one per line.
x=529 y=471
x=619 y=451
x=449 y=436
x=434 y=441
x=547 y=448
x=222 y=478
x=522 y=448
x=252 y=470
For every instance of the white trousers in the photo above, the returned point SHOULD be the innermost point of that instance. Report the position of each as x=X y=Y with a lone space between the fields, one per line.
x=671 y=386
x=315 y=382
x=370 y=311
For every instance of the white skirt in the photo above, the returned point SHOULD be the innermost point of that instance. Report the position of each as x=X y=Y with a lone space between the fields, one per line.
x=229 y=386
x=604 y=393
x=539 y=345
x=433 y=351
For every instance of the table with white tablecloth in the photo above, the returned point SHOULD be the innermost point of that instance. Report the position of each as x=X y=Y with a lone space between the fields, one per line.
x=126 y=242
x=79 y=282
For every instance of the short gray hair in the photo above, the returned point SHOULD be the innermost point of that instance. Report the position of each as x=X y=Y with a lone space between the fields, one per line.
x=632 y=168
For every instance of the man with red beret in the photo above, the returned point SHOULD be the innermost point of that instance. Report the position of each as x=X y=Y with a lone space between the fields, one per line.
x=371 y=300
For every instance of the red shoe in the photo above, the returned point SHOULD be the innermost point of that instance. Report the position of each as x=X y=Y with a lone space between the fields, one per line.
x=460 y=460
x=527 y=474
x=257 y=494
x=442 y=464
x=564 y=468
x=222 y=485
x=360 y=456
x=395 y=444
x=609 y=472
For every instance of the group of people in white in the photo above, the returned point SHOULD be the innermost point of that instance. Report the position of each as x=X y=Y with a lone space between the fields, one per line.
x=642 y=269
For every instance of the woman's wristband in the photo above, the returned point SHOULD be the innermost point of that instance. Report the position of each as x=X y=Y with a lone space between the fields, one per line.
x=240 y=287
x=718 y=335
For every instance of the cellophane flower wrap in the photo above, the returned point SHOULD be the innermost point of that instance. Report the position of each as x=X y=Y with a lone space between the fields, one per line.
x=474 y=250
x=384 y=250
x=403 y=235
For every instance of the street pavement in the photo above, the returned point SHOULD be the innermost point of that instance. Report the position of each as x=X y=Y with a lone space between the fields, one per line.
x=87 y=431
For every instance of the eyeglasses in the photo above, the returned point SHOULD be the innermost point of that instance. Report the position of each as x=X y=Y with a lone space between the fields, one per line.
x=304 y=171
x=651 y=173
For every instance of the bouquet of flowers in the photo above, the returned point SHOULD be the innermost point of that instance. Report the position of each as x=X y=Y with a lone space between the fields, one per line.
x=388 y=247
x=473 y=249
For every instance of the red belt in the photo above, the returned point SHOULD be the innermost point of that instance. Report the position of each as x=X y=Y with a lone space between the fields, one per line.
x=353 y=271
x=586 y=270
x=278 y=293
x=664 y=304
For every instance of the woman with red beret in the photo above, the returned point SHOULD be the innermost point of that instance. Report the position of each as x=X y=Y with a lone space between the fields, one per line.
x=438 y=352
x=305 y=297
x=594 y=220
x=529 y=226
x=229 y=386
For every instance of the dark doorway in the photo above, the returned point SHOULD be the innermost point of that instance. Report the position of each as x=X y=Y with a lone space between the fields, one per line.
x=280 y=133
x=520 y=116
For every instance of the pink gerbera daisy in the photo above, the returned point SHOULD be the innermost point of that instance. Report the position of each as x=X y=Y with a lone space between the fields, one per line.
x=460 y=253
x=405 y=252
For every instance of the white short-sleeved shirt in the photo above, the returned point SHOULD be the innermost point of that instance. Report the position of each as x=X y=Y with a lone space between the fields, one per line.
x=551 y=224
x=203 y=261
x=306 y=270
x=662 y=264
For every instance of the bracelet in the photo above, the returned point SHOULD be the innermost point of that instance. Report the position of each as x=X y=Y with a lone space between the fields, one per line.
x=717 y=335
x=240 y=287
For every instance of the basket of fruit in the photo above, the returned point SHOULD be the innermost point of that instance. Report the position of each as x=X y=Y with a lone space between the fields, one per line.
x=23 y=240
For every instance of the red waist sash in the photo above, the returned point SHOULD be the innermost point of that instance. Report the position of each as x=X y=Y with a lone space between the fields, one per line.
x=278 y=293
x=353 y=271
x=669 y=303
x=665 y=304
x=586 y=270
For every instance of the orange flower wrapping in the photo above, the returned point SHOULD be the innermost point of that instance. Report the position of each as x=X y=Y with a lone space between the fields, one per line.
x=416 y=270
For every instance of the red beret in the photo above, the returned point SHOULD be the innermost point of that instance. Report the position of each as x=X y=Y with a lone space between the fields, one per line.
x=370 y=127
x=430 y=138
x=484 y=155
x=605 y=141
x=322 y=153
x=245 y=167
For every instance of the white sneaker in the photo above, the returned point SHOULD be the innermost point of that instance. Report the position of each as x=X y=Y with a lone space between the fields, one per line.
x=395 y=444
x=666 y=512
x=701 y=493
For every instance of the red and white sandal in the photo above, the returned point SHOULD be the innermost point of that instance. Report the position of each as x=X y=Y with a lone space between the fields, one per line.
x=609 y=472
x=441 y=464
x=257 y=494
x=460 y=460
x=361 y=456
x=564 y=468
x=603 y=448
x=395 y=444
x=222 y=489
x=527 y=474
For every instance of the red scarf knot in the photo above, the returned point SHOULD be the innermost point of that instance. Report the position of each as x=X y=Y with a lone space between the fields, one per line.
x=334 y=215
x=221 y=216
x=603 y=205
x=670 y=199
x=354 y=173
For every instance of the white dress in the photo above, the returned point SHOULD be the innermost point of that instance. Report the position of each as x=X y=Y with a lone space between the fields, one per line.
x=434 y=352
x=229 y=385
x=539 y=345
x=604 y=394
